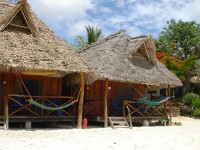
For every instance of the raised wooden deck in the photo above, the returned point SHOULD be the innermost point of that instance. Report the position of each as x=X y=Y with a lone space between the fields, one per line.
x=17 y=109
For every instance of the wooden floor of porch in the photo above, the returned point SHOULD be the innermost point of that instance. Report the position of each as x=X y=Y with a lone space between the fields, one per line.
x=40 y=119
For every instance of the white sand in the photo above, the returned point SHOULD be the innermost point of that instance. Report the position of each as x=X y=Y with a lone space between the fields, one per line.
x=186 y=137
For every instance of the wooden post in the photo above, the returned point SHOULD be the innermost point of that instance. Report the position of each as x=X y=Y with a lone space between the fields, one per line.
x=170 y=105
x=165 y=108
x=106 y=104
x=80 y=107
x=124 y=111
x=6 y=117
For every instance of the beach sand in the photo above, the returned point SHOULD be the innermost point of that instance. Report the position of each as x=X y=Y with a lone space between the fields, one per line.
x=185 y=137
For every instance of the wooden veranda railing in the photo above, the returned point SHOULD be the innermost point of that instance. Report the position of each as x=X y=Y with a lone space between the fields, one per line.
x=136 y=109
x=17 y=105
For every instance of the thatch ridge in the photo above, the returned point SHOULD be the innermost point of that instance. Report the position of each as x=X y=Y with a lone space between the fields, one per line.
x=45 y=51
x=105 y=39
x=122 y=58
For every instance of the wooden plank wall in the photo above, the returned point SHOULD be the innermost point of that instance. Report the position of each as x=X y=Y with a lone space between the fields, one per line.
x=95 y=91
x=51 y=86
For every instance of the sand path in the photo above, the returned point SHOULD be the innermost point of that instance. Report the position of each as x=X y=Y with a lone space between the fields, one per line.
x=185 y=137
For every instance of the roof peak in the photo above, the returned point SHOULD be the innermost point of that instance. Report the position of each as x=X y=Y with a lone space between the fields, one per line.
x=23 y=8
x=121 y=32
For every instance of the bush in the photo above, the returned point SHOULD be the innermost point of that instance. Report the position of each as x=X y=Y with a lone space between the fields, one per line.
x=196 y=112
x=190 y=99
x=196 y=103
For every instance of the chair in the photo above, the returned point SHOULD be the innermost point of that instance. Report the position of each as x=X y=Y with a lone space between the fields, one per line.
x=116 y=109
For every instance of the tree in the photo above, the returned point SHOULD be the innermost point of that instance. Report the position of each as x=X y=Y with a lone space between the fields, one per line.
x=177 y=66
x=182 y=40
x=93 y=35
x=186 y=35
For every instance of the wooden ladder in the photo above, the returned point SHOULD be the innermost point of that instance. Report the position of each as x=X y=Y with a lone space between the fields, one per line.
x=2 y=123
x=118 y=122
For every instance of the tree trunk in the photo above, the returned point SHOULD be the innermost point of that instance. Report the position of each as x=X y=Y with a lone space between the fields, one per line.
x=186 y=84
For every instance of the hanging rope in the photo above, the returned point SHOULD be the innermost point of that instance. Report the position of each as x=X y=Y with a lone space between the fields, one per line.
x=20 y=86
x=19 y=78
x=136 y=90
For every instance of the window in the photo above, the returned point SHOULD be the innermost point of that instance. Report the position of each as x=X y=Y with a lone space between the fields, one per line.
x=33 y=86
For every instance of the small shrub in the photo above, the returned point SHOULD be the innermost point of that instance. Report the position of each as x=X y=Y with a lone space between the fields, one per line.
x=190 y=98
x=196 y=112
x=196 y=103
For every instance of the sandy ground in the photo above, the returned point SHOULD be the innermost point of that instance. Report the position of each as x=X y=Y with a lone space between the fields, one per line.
x=185 y=137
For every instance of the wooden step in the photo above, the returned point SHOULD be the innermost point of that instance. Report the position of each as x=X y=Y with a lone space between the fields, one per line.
x=118 y=122
x=175 y=111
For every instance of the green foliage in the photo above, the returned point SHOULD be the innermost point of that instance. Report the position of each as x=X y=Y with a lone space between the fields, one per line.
x=190 y=99
x=196 y=103
x=80 y=43
x=186 y=35
x=93 y=35
x=196 y=112
x=193 y=101
x=179 y=67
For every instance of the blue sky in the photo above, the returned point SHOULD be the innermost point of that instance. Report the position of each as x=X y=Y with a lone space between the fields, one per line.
x=68 y=18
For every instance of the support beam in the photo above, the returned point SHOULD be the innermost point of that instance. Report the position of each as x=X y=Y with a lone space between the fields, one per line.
x=80 y=107
x=106 y=104
x=170 y=104
x=146 y=51
x=6 y=117
x=18 y=26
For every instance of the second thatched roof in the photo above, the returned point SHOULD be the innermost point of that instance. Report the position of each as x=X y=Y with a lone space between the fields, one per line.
x=122 y=58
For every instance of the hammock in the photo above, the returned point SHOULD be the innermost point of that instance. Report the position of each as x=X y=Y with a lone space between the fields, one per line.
x=152 y=103
x=50 y=108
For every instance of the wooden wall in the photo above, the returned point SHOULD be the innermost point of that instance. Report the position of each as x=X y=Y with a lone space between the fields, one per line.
x=94 y=93
x=51 y=86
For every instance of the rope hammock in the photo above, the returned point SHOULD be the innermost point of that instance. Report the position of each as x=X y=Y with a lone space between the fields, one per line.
x=31 y=101
x=50 y=108
x=152 y=103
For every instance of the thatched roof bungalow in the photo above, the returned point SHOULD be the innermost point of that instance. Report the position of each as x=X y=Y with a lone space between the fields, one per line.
x=119 y=61
x=122 y=58
x=30 y=49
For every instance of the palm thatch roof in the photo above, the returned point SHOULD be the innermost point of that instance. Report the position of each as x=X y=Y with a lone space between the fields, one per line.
x=195 y=79
x=122 y=58
x=26 y=43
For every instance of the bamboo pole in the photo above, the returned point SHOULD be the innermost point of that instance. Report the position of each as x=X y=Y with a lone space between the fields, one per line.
x=124 y=108
x=165 y=108
x=146 y=51
x=80 y=107
x=6 y=117
x=170 y=105
x=106 y=104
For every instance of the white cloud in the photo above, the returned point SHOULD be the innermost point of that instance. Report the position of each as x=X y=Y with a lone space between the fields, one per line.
x=63 y=15
x=62 y=9
x=69 y=17
x=105 y=10
x=119 y=3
